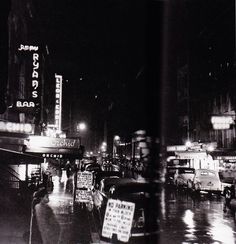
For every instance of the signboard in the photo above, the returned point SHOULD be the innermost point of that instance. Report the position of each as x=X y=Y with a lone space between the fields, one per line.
x=176 y=148
x=118 y=219
x=85 y=179
x=222 y=122
x=83 y=195
x=16 y=127
x=58 y=101
x=51 y=155
x=50 y=142
x=24 y=105
x=225 y=157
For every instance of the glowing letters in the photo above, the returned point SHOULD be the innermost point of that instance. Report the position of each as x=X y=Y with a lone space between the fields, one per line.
x=221 y=122
x=25 y=104
x=58 y=101
x=35 y=71
x=28 y=48
x=16 y=127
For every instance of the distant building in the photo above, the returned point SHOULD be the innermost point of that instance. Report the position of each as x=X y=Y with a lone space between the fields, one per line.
x=206 y=80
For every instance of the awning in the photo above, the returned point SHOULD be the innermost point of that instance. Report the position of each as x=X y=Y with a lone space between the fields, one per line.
x=223 y=155
x=9 y=156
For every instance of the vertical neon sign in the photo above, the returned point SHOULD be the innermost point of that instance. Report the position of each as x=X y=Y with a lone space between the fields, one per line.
x=58 y=101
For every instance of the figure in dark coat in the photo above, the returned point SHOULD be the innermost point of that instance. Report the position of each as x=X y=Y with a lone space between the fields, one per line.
x=35 y=235
x=47 y=223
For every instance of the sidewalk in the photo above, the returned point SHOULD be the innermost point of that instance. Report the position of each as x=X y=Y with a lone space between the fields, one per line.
x=75 y=223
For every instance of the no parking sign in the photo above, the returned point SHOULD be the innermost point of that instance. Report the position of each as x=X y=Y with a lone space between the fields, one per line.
x=118 y=219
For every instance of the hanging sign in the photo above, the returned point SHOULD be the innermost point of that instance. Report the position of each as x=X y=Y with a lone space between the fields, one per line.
x=118 y=219
x=85 y=179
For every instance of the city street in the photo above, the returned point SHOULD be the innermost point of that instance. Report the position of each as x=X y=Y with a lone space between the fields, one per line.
x=189 y=219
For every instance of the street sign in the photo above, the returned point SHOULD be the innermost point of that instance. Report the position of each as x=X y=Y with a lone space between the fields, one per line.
x=118 y=219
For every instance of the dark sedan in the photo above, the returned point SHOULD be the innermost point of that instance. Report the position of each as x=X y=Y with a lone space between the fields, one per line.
x=145 y=196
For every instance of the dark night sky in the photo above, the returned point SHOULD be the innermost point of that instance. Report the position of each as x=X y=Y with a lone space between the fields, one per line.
x=106 y=43
x=192 y=28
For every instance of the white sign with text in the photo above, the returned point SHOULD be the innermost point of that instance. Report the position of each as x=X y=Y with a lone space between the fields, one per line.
x=118 y=219
x=83 y=196
x=85 y=179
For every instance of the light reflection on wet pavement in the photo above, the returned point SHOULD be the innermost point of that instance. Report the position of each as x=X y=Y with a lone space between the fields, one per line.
x=189 y=219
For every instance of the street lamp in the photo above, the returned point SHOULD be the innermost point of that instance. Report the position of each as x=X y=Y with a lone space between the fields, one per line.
x=81 y=126
x=188 y=144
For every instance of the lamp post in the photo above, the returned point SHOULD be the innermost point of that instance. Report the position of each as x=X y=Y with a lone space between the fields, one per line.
x=116 y=141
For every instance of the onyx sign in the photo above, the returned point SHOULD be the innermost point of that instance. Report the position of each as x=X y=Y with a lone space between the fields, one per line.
x=33 y=101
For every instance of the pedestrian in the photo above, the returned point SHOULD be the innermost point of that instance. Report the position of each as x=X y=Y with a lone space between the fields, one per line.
x=68 y=169
x=47 y=224
x=34 y=233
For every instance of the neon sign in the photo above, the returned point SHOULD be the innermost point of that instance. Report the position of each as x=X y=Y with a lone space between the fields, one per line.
x=58 y=101
x=35 y=96
x=221 y=122
x=16 y=127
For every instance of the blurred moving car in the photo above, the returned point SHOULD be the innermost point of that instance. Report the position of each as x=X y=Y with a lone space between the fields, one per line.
x=206 y=180
x=183 y=175
x=169 y=175
x=144 y=227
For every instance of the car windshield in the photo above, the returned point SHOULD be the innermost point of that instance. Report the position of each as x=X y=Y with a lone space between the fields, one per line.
x=186 y=171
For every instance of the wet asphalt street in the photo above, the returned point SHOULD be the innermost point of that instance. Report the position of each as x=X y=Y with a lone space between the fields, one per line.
x=186 y=218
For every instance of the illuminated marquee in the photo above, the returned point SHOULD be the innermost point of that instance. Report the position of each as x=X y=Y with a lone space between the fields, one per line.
x=50 y=142
x=58 y=101
x=16 y=127
x=221 y=122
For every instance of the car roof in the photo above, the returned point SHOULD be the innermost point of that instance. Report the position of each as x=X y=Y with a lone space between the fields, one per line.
x=106 y=174
x=136 y=186
x=117 y=180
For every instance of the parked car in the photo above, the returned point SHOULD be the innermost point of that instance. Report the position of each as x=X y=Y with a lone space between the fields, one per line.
x=183 y=175
x=101 y=195
x=144 y=227
x=206 y=180
x=105 y=174
x=92 y=167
